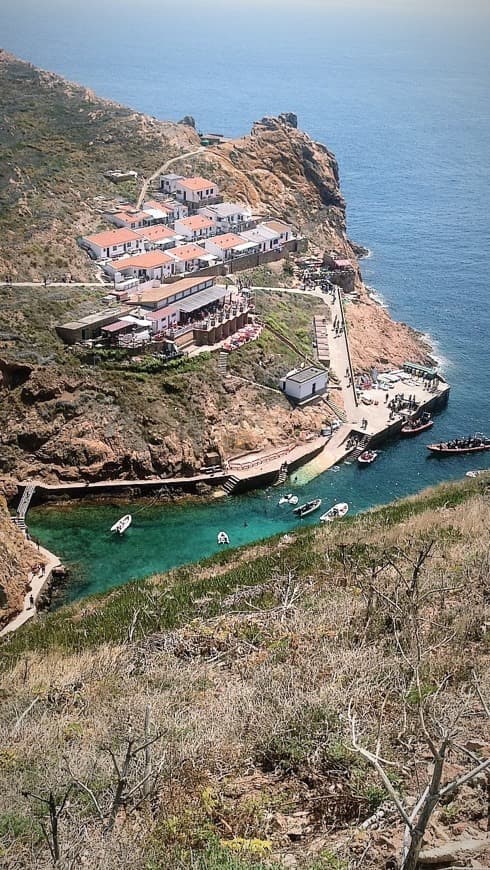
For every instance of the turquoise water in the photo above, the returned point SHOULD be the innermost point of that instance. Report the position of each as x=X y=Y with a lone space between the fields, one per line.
x=401 y=96
x=164 y=537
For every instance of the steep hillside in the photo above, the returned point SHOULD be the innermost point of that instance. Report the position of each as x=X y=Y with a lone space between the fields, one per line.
x=254 y=673
x=56 y=141
x=16 y=560
x=64 y=418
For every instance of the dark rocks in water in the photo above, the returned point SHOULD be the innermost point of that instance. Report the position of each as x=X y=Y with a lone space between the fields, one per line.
x=359 y=250
x=188 y=121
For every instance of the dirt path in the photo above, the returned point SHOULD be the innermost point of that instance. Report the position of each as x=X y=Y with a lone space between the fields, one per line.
x=36 y=583
x=160 y=171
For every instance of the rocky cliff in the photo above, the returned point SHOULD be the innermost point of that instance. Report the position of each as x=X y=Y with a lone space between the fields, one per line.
x=16 y=560
x=64 y=416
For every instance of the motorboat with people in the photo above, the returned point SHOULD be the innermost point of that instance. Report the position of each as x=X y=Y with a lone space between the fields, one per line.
x=367 y=457
x=223 y=538
x=308 y=508
x=122 y=524
x=418 y=425
x=335 y=513
x=289 y=499
x=476 y=473
x=470 y=444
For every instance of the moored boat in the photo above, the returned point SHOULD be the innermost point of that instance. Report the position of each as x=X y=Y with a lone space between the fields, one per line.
x=335 y=513
x=414 y=427
x=289 y=499
x=223 y=538
x=367 y=457
x=122 y=524
x=305 y=509
x=475 y=473
x=471 y=444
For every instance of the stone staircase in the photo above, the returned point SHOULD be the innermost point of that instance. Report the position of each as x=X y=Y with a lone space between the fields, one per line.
x=223 y=363
x=339 y=412
x=20 y=523
x=25 y=501
x=231 y=484
x=360 y=448
x=283 y=473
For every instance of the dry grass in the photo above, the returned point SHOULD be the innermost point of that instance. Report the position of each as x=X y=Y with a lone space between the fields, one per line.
x=251 y=704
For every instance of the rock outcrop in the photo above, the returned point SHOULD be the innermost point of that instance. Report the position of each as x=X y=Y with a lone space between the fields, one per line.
x=17 y=558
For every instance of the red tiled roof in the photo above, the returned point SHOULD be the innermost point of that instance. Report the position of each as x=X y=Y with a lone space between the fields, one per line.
x=188 y=252
x=228 y=240
x=108 y=238
x=196 y=183
x=197 y=222
x=150 y=260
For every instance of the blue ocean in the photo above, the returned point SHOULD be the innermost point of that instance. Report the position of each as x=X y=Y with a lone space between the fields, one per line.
x=400 y=93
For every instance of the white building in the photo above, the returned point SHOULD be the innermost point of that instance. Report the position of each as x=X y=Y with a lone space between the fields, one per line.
x=189 y=257
x=159 y=236
x=300 y=385
x=129 y=217
x=170 y=183
x=113 y=243
x=228 y=217
x=151 y=266
x=282 y=230
x=195 y=228
x=165 y=212
x=229 y=245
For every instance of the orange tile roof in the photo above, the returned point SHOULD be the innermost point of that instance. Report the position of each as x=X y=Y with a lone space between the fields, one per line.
x=197 y=222
x=108 y=238
x=156 y=232
x=197 y=183
x=228 y=240
x=188 y=252
x=132 y=215
x=150 y=260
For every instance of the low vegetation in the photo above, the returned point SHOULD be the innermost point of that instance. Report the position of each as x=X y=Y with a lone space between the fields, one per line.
x=274 y=706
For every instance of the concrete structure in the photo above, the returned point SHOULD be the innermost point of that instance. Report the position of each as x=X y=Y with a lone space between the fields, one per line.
x=90 y=327
x=113 y=243
x=195 y=228
x=170 y=294
x=228 y=217
x=229 y=245
x=170 y=182
x=300 y=385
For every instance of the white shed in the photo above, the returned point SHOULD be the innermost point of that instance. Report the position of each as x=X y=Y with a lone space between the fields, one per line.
x=302 y=384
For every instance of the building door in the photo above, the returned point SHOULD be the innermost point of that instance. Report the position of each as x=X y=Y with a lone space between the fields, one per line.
x=313 y=390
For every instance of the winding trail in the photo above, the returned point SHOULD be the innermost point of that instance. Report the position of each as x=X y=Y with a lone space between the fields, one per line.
x=161 y=170
x=37 y=583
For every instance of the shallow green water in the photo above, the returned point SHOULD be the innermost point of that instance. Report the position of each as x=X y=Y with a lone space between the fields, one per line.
x=162 y=537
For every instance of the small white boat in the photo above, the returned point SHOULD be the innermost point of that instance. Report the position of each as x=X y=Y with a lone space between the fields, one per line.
x=305 y=509
x=289 y=499
x=122 y=524
x=335 y=513
x=367 y=457
x=475 y=473
x=223 y=538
